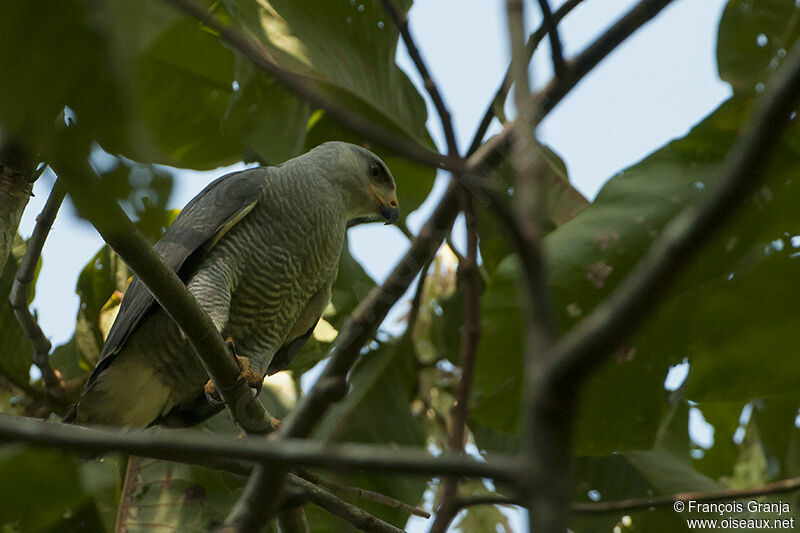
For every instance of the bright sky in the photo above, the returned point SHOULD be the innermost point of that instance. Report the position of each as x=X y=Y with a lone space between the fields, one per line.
x=650 y=90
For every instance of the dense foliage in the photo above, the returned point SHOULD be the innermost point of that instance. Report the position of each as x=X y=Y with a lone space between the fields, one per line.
x=151 y=86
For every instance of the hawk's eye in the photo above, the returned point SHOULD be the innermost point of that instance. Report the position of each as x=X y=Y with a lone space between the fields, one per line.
x=374 y=170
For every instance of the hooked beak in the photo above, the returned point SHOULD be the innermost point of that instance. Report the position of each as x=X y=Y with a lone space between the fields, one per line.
x=389 y=210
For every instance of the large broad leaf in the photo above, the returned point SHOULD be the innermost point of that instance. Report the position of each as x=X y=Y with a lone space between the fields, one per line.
x=270 y=121
x=79 y=495
x=738 y=348
x=562 y=204
x=707 y=316
x=754 y=36
x=377 y=410
x=177 y=496
x=186 y=81
x=177 y=80
x=54 y=56
x=346 y=48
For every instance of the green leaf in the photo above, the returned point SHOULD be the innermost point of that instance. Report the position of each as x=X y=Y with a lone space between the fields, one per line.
x=754 y=36
x=71 y=485
x=718 y=323
x=377 y=410
x=270 y=120
x=186 y=81
x=177 y=496
x=345 y=48
x=53 y=56
x=636 y=474
x=562 y=204
x=719 y=460
x=778 y=435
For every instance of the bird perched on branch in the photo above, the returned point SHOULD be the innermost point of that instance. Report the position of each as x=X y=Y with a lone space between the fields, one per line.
x=259 y=250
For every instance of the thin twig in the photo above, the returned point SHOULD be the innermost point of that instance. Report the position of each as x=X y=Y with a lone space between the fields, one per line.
x=119 y=232
x=502 y=92
x=556 y=53
x=21 y=289
x=302 y=86
x=468 y=349
x=344 y=510
x=197 y=447
x=310 y=492
x=589 y=342
x=401 y=21
x=340 y=488
x=633 y=504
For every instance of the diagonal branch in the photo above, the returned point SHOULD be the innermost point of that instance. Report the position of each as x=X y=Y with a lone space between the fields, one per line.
x=586 y=345
x=556 y=53
x=344 y=510
x=305 y=484
x=401 y=21
x=198 y=447
x=303 y=87
x=119 y=232
x=21 y=289
x=339 y=488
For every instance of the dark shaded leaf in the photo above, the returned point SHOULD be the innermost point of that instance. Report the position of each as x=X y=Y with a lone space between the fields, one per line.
x=754 y=36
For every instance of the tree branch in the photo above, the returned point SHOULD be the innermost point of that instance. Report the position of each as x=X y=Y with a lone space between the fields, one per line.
x=119 y=232
x=344 y=510
x=198 y=447
x=401 y=21
x=21 y=289
x=587 y=344
x=556 y=53
x=339 y=488
x=468 y=350
x=306 y=484
x=502 y=92
x=302 y=86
